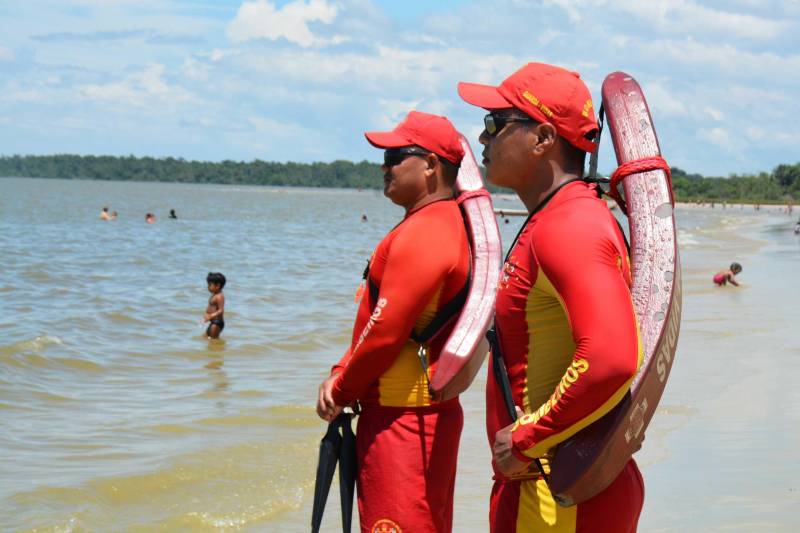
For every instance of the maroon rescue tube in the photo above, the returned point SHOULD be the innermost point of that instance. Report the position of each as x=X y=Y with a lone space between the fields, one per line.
x=466 y=348
x=588 y=462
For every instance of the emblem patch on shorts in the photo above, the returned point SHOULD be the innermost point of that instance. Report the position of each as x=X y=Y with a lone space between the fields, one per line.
x=384 y=525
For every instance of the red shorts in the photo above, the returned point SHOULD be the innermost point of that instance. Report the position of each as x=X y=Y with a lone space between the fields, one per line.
x=407 y=467
x=528 y=506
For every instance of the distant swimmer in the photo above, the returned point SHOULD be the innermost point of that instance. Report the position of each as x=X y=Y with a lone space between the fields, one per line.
x=363 y=218
x=215 y=312
x=114 y=215
x=797 y=228
x=724 y=277
x=150 y=218
x=172 y=214
x=104 y=214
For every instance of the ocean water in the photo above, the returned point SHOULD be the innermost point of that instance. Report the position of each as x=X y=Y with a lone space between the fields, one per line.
x=117 y=414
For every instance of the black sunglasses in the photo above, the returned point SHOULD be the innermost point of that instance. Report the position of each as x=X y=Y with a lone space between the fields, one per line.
x=494 y=123
x=395 y=156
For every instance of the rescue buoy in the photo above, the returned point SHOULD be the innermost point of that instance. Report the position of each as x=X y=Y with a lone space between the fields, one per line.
x=466 y=347
x=588 y=462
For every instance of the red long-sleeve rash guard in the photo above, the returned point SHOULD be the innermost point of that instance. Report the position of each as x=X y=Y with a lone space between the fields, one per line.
x=419 y=266
x=567 y=325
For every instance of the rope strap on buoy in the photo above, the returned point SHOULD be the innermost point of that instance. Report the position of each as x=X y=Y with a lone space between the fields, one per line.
x=466 y=195
x=634 y=167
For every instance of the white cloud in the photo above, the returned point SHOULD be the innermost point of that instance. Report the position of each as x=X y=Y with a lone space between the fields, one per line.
x=724 y=57
x=276 y=128
x=666 y=102
x=6 y=54
x=24 y=96
x=260 y=19
x=549 y=35
x=393 y=112
x=686 y=16
x=714 y=113
x=717 y=136
x=755 y=133
x=195 y=70
x=144 y=89
x=388 y=70
x=571 y=7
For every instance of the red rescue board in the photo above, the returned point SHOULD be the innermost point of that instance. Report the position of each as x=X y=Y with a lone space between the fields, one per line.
x=588 y=462
x=466 y=348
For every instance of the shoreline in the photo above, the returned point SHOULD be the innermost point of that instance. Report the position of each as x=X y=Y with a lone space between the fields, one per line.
x=500 y=196
x=735 y=206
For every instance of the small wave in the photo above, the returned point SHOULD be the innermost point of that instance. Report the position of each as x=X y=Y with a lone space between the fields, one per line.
x=214 y=489
x=80 y=364
x=172 y=429
x=37 y=275
x=122 y=318
x=35 y=345
x=687 y=239
x=51 y=397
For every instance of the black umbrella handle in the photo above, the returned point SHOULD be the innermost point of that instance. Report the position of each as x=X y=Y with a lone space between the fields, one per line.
x=501 y=377
x=348 y=471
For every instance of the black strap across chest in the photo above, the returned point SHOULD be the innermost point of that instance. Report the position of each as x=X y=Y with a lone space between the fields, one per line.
x=442 y=318
x=448 y=311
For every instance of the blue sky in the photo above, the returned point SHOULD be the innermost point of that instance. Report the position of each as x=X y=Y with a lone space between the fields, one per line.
x=303 y=79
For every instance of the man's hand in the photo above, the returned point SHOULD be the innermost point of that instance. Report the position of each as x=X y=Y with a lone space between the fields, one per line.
x=504 y=458
x=326 y=407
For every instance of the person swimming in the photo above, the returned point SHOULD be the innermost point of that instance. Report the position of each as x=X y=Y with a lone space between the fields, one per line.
x=172 y=214
x=723 y=277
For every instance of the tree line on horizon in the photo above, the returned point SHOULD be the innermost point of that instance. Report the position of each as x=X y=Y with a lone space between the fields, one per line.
x=779 y=186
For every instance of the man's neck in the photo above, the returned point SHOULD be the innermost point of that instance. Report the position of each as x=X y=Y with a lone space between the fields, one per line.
x=429 y=199
x=540 y=189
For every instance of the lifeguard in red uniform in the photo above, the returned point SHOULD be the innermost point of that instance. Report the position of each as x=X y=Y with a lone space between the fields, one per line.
x=407 y=442
x=565 y=320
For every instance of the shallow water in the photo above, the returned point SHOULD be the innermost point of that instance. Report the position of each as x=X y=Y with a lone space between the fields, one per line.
x=117 y=414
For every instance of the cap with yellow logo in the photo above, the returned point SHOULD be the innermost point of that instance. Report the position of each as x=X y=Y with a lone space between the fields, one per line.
x=546 y=93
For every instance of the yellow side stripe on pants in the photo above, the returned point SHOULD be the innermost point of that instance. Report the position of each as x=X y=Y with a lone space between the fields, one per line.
x=538 y=511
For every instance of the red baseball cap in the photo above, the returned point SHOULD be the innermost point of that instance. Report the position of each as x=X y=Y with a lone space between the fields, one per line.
x=546 y=93
x=432 y=132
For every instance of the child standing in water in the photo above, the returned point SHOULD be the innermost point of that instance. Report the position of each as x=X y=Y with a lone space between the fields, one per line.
x=216 y=305
x=724 y=276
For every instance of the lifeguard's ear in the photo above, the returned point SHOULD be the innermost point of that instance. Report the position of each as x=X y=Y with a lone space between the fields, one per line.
x=544 y=138
x=431 y=163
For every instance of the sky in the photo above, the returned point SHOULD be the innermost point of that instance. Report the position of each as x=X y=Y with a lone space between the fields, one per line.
x=301 y=80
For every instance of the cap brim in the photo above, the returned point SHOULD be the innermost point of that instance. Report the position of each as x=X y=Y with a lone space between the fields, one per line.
x=386 y=139
x=485 y=96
